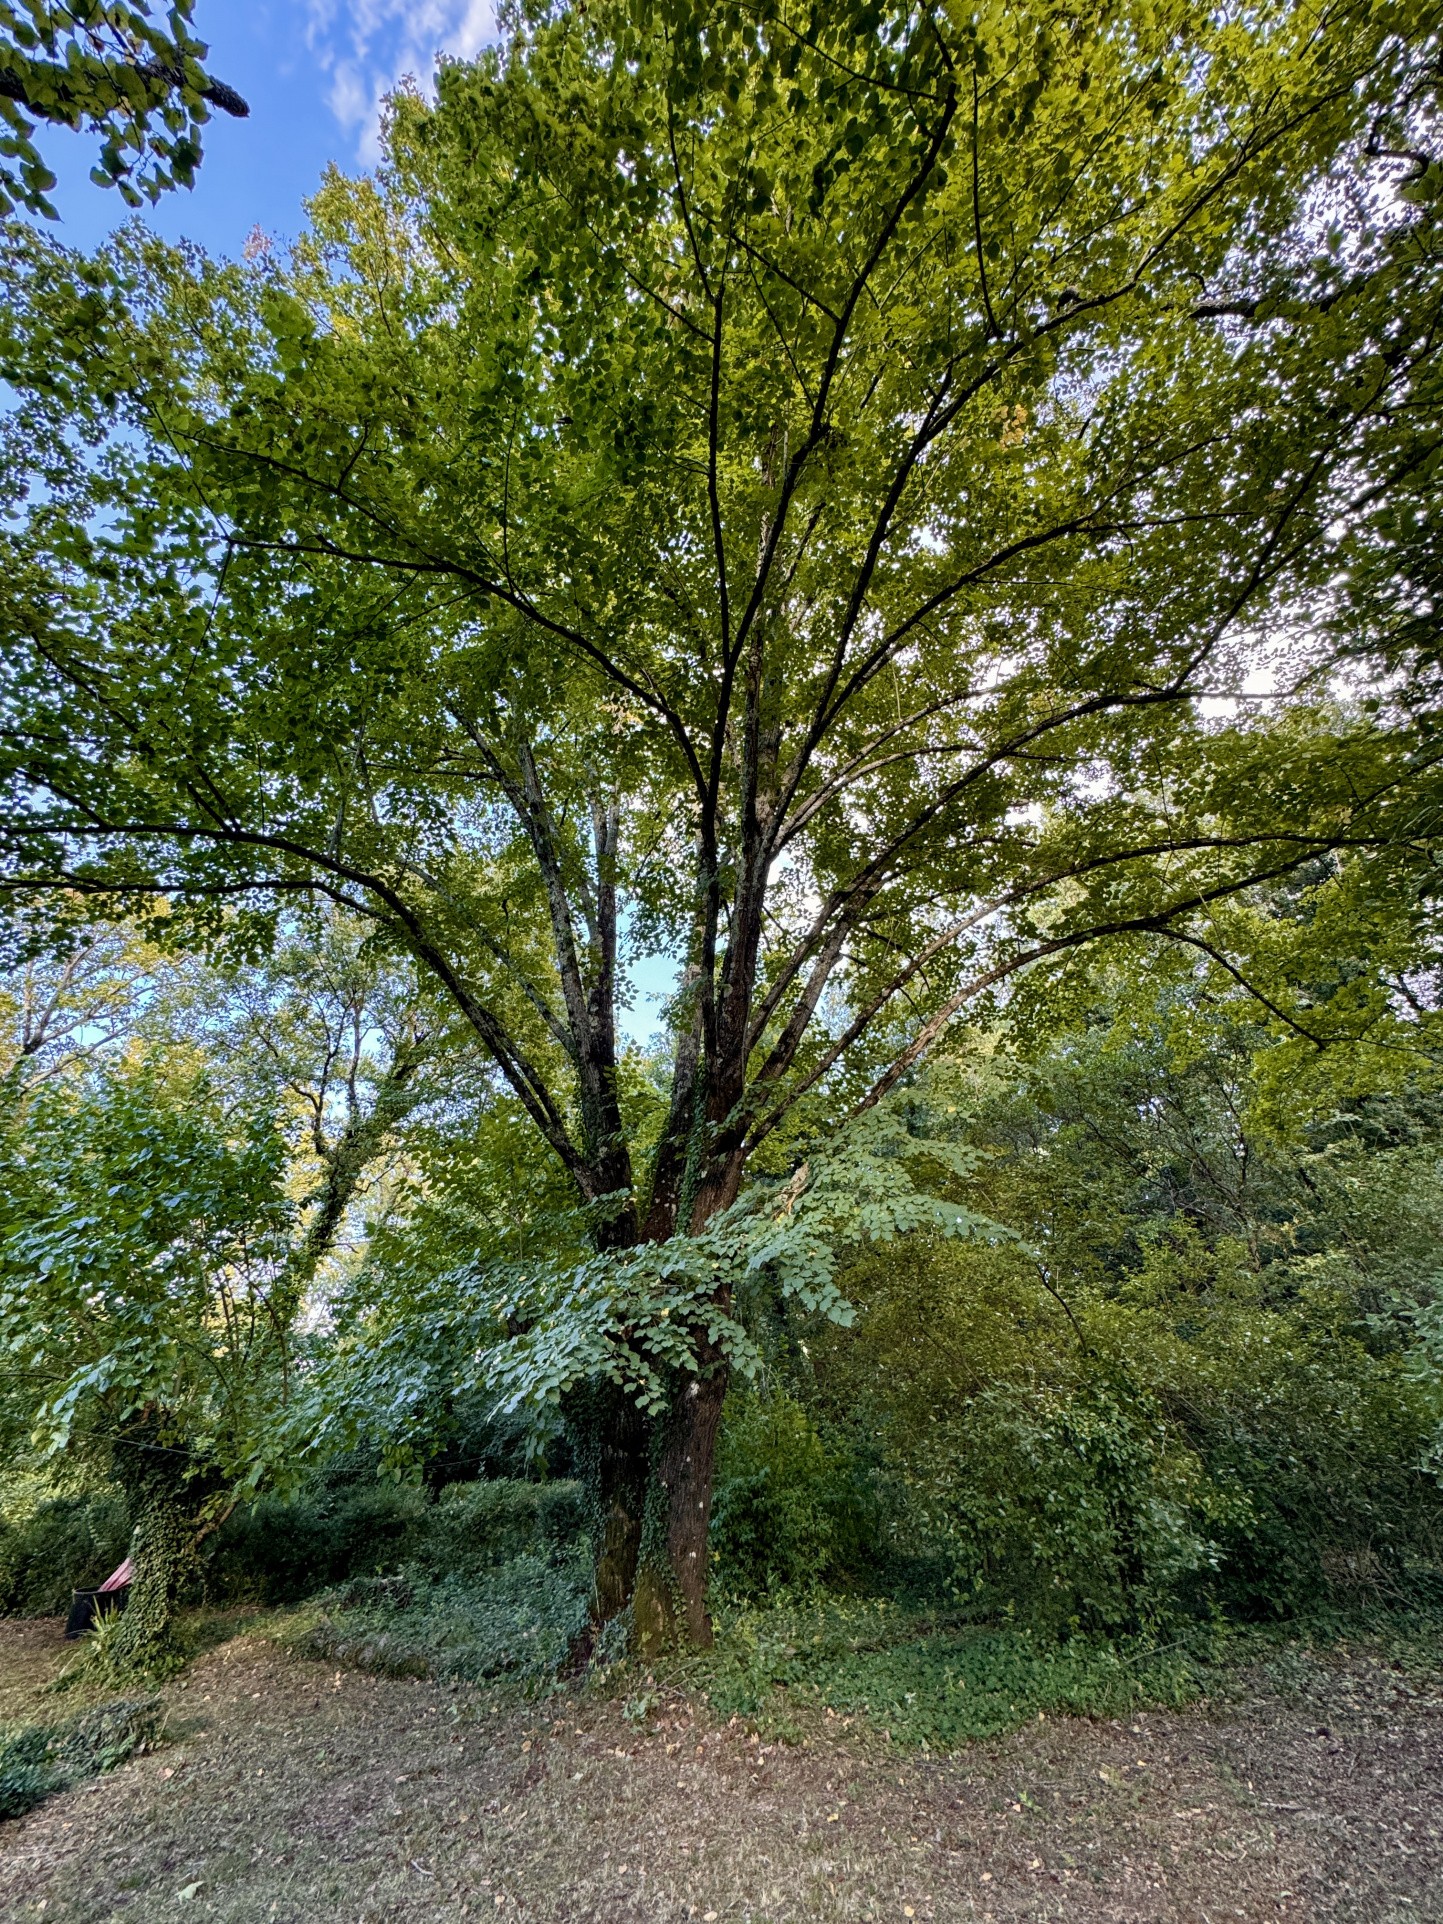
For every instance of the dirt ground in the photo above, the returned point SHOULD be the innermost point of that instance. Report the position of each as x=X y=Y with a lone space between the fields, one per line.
x=292 y=1792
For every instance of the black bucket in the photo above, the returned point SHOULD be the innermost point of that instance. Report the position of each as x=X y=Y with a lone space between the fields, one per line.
x=87 y=1605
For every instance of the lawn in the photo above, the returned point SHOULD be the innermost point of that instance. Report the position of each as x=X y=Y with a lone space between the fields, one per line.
x=285 y=1788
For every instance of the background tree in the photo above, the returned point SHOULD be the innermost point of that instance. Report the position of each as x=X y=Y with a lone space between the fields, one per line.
x=792 y=490
x=113 y=71
x=185 y=1151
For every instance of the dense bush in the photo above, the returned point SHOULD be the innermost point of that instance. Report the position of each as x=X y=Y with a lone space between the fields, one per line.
x=476 y=1526
x=789 y=1512
x=281 y=1549
x=495 y=1581
x=60 y=1544
x=517 y=1619
x=1145 y=1452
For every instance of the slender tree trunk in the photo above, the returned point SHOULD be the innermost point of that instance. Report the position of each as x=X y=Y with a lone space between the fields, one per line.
x=623 y=1460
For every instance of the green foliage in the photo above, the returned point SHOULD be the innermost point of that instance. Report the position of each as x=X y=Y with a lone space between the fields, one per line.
x=55 y=1545
x=832 y=546
x=474 y=1527
x=489 y=1579
x=788 y=1513
x=282 y=1548
x=529 y=1331
x=1156 y=1457
x=111 y=69
x=39 y=1759
x=141 y=1230
x=518 y=1621
x=925 y=1681
x=814 y=549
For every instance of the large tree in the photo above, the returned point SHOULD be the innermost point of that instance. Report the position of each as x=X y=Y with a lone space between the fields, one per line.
x=804 y=489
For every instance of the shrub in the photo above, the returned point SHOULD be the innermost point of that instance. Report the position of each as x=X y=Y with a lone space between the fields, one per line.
x=1172 y=1446
x=473 y=1527
x=282 y=1549
x=519 y=1619
x=1067 y=1506
x=788 y=1512
x=64 y=1543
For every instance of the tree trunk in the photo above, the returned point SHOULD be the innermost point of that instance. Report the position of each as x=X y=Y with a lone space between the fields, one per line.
x=163 y=1547
x=624 y=1458
x=671 y=1590
x=613 y=1447
x=686 y=1473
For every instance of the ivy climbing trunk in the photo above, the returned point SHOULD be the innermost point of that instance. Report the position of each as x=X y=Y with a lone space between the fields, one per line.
x=163 y=1547
x=162 y=1491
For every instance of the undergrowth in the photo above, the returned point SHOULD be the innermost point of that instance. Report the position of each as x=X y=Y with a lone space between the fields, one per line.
x=934 y=1682
x=925 y=1679
x=38 y=1759
x=518 y=1621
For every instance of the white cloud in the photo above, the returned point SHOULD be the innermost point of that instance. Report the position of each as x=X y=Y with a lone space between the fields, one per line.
x=365 y=47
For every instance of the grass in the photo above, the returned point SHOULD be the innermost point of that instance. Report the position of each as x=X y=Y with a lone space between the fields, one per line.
x=295 y=1792
x=928 y=1680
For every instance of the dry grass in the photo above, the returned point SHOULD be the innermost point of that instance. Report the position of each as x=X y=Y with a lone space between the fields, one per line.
x=291 y=1792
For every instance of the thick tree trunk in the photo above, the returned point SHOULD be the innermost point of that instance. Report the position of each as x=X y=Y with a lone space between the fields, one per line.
x=671 y=1591
x=163 y=1548
x=677 y=1610
x=613 y=1445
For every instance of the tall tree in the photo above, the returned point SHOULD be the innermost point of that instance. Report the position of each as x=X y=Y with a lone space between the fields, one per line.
x=805 y=490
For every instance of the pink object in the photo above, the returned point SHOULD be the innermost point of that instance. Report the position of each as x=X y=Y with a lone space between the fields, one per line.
x=118 y=1579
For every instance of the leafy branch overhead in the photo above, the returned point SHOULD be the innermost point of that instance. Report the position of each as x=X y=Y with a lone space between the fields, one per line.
x=526 y=1333
x=112 y=70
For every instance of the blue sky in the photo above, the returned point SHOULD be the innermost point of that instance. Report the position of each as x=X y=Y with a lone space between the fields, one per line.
x=314 y=73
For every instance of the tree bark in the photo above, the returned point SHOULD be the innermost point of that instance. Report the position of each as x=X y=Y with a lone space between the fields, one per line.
x=624 y=1460
x=685 y=1475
